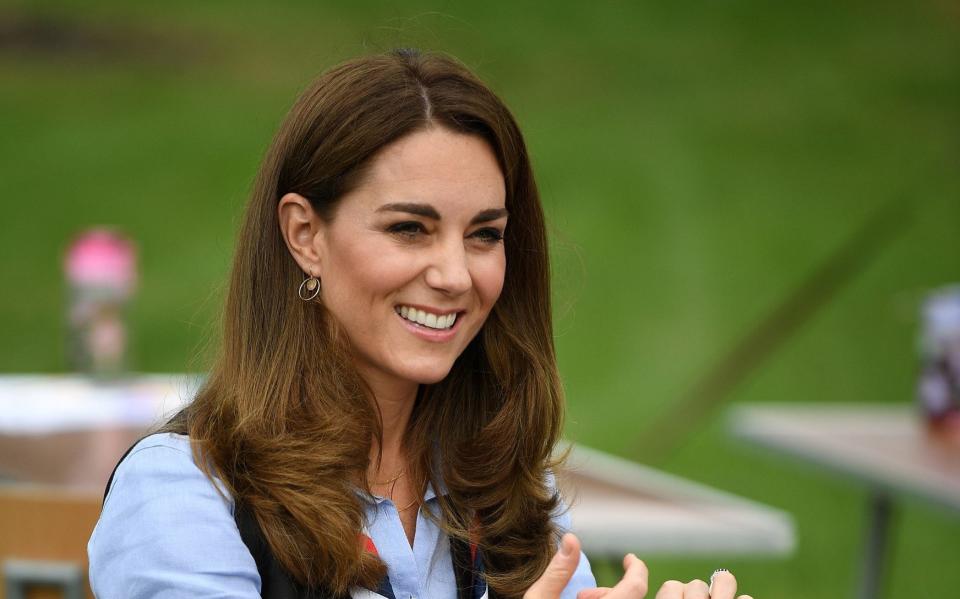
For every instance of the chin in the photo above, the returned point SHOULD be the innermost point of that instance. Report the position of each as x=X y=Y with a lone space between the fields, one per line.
x=428 y=376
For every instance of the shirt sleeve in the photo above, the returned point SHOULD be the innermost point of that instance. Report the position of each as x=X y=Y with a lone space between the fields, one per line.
x=583 y=576
x=166 y=533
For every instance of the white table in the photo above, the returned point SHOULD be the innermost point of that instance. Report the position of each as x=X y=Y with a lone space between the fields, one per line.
x=620 y=506
x=68 y=431
x=883 y=447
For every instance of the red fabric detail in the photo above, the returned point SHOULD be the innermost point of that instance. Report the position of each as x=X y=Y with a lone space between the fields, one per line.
x=368 y=545
x=473 y=540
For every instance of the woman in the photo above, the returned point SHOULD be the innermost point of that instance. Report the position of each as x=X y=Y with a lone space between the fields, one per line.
x=382 y=416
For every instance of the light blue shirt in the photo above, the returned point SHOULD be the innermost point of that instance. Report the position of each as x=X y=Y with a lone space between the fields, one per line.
x=165 y=532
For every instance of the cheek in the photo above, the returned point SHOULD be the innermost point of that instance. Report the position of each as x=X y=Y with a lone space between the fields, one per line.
x=489 y=277
x=373 y=266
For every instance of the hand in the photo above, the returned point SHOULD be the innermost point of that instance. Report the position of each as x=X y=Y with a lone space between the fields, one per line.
x=723 y=586
x=633 y=585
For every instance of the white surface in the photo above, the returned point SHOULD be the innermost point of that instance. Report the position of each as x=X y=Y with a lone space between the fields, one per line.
x=620 y=506
x=885 y=446
x=617 y=506
x=43 y=404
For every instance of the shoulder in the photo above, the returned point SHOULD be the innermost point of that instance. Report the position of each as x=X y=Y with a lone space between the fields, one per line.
x=162 y=510
x=155 y=463
x=179 y=443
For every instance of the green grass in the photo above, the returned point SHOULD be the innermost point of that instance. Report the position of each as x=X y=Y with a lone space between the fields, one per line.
x=697 y=161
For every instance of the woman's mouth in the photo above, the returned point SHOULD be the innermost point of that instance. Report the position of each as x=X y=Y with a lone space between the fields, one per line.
x=429 y=325
x=427 y=319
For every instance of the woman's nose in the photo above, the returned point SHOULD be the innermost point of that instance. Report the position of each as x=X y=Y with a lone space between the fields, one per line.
x=449 y=271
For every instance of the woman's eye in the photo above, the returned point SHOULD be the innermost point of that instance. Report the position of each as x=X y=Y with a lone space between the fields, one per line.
x=490 y=235
x=407 y=229
x=411 y=229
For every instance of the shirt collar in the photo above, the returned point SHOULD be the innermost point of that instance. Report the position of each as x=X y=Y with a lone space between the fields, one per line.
x=428 y=495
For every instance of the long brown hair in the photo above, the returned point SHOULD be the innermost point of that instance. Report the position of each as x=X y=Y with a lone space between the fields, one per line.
x=284 y=419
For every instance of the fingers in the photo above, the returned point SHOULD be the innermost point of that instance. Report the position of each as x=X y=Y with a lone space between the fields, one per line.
x=597 y=593
x=553 y=580
x=723 y=585
x=633 y=585
x=672 y=589
x=696 y=589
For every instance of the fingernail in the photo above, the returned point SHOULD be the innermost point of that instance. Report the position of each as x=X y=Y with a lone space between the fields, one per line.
x=565 y=548
x=714 y=575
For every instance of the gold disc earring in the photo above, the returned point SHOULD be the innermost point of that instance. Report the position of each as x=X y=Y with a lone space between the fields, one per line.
x=309 y=288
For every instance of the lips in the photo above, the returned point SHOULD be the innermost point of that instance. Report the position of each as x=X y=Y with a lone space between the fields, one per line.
x=429 y=334
x=427 y=319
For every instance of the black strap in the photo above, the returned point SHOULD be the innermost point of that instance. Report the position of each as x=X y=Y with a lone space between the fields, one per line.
x=464 y=569
x=106 y=490
x=276 y=582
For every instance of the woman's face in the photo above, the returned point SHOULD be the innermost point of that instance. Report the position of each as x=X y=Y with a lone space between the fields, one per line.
x=419 y=239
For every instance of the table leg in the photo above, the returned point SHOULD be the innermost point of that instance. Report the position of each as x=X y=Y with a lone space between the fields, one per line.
x=875 y=545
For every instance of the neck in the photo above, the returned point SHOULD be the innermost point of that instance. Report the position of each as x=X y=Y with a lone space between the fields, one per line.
x=395 y=402
x=395 y=413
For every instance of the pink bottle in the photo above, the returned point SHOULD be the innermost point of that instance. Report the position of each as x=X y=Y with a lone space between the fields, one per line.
x=101 y=272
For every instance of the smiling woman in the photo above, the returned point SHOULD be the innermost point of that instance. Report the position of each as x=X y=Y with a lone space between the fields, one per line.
x=390 y=428
x=411 y=283
x=381 y=419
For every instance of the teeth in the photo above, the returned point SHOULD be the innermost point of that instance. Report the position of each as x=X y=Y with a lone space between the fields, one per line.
x=426 y=319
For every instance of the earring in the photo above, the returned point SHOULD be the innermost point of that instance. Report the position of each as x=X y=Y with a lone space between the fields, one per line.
x=309 y=288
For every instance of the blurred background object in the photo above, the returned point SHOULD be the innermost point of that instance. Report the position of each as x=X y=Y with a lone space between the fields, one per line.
x=60 y=437
x=101 y=272
x=885 y=449
x=711 y=173
x=939 y=388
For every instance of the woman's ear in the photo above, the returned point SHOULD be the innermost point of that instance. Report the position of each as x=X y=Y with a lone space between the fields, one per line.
x=302 y=230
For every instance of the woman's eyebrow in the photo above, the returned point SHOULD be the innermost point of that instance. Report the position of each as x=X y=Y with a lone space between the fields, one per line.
x=428 y=211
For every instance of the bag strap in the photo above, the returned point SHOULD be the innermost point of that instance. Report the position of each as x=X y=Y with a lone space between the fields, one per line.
x=276 y=583
x=106 y=490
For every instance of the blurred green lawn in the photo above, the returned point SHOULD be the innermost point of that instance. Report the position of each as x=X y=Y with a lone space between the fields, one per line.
x=697 y=161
